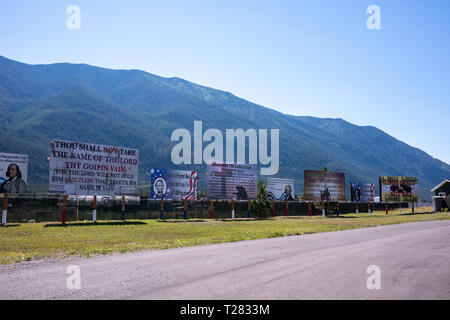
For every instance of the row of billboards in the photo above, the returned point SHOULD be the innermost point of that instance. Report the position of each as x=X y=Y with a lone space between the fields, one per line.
x=225 y=181
x=92 y=169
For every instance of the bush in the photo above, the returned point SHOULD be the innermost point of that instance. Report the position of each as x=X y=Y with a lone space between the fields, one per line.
x=262 y=206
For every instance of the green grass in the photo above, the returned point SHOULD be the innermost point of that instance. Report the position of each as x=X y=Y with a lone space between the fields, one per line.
x=30 y=241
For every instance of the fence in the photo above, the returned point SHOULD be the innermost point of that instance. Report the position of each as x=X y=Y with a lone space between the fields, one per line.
x=26 y=208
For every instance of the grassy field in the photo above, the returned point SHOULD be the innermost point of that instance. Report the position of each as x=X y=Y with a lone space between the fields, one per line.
x=30 y=241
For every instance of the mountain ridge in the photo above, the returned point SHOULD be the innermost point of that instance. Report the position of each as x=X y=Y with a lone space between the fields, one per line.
x=134 y=108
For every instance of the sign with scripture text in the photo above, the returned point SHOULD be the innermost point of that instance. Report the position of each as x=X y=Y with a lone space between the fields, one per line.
x=92 y=169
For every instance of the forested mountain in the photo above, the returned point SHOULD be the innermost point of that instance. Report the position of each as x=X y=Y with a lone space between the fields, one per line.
x=136 y=109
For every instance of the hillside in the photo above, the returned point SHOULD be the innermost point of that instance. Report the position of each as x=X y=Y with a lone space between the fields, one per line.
x=136 y=109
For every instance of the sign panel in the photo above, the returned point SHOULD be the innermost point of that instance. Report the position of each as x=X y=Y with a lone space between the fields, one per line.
x=393 y=188
x=13 y=173
x=362 y=193
x=281 y=189
x=324 y=186
x=232 y=181
x=173 y=184
x=92 y=169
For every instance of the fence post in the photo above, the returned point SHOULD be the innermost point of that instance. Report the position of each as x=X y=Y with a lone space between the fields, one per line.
x=5 y=208
x=94 y=209
x=368 y=210
x=78 y=215
x=412 y=206
x=310 y=209
x=357 y=209
x=123 y=208
x=287 y=208
x=337 y=208
x=387 y=208
x=63 y=216
x=400 y=208
x=232 y=209
x=323 y=209
x=249 y=213
x=273 y=209
x=185 y=209
x=211 y=210
x=161 y=213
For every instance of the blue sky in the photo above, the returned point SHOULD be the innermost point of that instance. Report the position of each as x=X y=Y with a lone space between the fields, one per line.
x=314 y=58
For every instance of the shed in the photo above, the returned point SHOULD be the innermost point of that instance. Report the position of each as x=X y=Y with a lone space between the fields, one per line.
x=443 y=187
x=441 y=198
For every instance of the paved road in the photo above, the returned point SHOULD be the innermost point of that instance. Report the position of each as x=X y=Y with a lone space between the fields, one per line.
x=414 y=260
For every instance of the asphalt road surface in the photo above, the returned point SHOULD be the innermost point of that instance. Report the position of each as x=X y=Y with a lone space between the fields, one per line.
x=413 y=259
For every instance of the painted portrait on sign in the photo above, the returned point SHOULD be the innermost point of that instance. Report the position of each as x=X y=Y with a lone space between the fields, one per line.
x=14 y=185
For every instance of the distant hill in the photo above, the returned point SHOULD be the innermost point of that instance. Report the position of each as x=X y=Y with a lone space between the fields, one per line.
x=136 y=109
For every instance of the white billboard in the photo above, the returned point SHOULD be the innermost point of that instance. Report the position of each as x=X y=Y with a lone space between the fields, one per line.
x=280 y=189
x=92 y=169
x=13 y=173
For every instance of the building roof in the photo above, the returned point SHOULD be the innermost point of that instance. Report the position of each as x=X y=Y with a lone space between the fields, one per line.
x=440 y=185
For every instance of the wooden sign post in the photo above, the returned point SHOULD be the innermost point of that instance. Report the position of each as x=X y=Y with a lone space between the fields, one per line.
x=5 y=208
x=94 y=209
x=232 y=209
x=211 y=209
x=310 y=208
x=64 y=205
x=273 y=209
x=287 y=208
x=123 y=208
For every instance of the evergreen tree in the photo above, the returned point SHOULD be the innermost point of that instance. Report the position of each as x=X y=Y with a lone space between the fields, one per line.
x=262 y=206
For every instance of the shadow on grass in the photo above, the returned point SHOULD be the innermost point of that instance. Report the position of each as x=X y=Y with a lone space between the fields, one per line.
x=316 y=216
x=342 y=217
x=243 y=219
x=96 y=224
x=10 y=225
x=415 y=213
x=365 y=215
x=182 y=221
